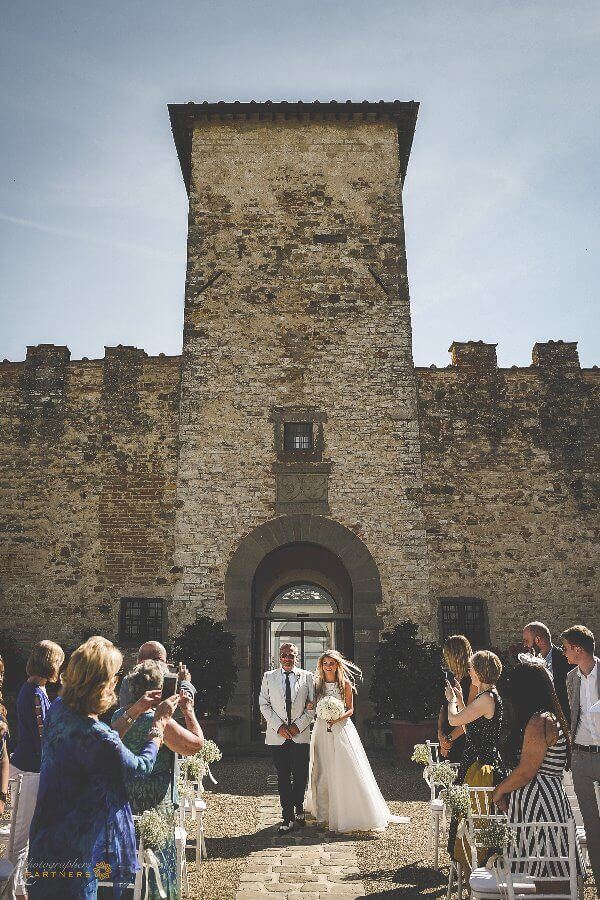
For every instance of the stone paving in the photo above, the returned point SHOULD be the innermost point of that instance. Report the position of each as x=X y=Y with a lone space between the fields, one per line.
x=299 y=866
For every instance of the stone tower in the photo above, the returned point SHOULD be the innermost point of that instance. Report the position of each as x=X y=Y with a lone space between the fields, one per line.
x=300 y=458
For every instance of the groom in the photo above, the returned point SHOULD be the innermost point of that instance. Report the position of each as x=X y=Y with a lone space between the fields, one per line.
x=283 y=700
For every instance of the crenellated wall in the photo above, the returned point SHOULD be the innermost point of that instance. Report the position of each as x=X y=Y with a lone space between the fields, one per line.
x=88 y=463
x=510 y=475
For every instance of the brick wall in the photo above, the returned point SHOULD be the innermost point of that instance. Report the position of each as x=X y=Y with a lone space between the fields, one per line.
x=88 y=463
x=510 y=471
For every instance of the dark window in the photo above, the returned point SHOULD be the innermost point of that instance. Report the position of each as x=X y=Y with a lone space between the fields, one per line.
x=464 y=616
x=298 y=436
x=141 y=620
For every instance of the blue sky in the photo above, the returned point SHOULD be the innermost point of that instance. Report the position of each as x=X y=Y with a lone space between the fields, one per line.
x=501 y=197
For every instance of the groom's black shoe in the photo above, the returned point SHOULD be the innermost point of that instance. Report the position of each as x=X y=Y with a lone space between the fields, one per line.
x=300 y=820
x=285 y=827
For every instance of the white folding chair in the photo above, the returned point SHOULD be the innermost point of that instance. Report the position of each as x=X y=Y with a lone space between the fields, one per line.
x=437 y=810
x=481 y=807
x=147 y=862
x=7 y=834
x=196 y=807
x=512 y=876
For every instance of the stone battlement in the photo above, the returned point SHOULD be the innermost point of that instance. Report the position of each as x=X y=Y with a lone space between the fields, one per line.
x=475 y=356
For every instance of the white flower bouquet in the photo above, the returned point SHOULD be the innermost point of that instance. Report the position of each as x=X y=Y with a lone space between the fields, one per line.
x=421 y=754
x=330 y=709
x=497 y=834
x=196 y=767
x=458 y=799
x=155 y=829
x=442 y=773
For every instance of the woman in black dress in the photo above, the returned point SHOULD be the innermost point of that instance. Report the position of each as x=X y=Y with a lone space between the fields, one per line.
x=481 y=764
x=457 y=653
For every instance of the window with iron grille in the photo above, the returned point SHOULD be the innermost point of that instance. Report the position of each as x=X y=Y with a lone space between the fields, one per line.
x=298 y=436
x=464 y=615
x=141 y=619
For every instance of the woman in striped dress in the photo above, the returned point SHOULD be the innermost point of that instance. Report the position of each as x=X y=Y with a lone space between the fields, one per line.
x=540 y=750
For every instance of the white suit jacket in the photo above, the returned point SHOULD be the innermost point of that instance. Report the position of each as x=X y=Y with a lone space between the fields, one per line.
x=272 y=705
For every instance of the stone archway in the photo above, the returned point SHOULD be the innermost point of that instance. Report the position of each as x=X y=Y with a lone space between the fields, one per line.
x=363 y=576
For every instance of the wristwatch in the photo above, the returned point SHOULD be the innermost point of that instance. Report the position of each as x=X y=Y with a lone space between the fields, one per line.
x=128 y=719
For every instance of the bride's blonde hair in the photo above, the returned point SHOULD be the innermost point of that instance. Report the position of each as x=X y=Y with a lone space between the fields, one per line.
x=346 y=672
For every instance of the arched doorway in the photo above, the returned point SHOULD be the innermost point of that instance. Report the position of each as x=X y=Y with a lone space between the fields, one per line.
x=305 y=615
x=304 y=553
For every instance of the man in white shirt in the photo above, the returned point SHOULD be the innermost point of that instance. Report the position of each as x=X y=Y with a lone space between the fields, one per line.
x=286 y=702
x=582 y=685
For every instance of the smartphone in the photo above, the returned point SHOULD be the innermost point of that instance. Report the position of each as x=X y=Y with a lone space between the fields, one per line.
x=448 y=676
x=170 y=685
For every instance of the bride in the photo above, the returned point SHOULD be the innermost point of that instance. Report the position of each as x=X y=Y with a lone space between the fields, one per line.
x=342 y=793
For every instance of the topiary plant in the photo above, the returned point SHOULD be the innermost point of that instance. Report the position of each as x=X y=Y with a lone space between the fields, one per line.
x=208 y=650
x=407 y=680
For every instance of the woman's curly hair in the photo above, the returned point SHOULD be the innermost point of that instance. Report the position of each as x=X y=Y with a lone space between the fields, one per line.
x=89 y=678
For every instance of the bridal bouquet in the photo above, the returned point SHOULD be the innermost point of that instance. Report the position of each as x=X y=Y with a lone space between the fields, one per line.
x=330 y=708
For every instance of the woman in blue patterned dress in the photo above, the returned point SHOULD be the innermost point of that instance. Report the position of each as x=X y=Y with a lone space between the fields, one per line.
x=82 y=828
x=159 y=790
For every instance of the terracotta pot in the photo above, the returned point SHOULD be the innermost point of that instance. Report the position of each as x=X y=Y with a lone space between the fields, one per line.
x=406 y=734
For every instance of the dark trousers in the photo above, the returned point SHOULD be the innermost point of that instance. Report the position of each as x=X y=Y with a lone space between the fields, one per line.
x=291 y=762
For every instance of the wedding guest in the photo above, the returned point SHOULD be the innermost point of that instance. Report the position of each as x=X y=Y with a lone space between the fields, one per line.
x=457 y=653
x=4 y=763
x=159 y=789
x=538 y=640
x=583 y=682
x=481 y=764
x=539 y=748
x=43 y=666
x=156 y=651
x=82 y=822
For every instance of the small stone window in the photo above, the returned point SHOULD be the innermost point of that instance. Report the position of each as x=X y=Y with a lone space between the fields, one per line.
x=464 y=615
x=298 y=436
x=141 y=620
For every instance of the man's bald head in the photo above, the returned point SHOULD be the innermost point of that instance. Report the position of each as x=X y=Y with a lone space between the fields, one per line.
x=152 y=650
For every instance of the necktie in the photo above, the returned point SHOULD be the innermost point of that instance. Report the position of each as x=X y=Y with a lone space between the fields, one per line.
x=288 y=697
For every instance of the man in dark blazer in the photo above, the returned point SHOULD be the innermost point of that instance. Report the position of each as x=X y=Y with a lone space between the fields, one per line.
x=538 y=640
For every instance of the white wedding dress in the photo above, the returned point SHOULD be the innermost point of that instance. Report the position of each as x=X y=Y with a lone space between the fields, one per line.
x=342 y=792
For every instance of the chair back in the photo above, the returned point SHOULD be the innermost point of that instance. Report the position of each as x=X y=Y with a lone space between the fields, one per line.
x=552 y=844
x=472 y=830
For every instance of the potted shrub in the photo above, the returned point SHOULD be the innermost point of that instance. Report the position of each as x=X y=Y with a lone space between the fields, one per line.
x=407 y=686
x=208 y=650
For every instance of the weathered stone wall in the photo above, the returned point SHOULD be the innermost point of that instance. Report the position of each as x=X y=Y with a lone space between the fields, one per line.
x=88 y=463
x=511 y=483
x=297 y=296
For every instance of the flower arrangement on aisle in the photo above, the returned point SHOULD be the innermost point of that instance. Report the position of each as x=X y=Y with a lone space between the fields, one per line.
x=496 y=834
x=457 y=798
x=155 y=829
x=330 y=709
x=421 y=754
x=197 y=767
x=442 y=773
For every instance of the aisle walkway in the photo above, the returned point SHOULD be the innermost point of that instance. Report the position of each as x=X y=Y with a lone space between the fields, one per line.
x=299 y=866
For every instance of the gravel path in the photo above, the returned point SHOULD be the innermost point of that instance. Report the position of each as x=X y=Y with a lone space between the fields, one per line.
x=396 y=864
